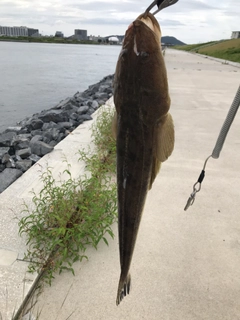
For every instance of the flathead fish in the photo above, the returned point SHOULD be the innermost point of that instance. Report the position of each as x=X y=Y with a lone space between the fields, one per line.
x=143 y=128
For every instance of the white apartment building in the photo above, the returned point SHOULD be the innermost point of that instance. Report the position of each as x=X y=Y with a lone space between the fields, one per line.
x=235 y=34
x=14 y=31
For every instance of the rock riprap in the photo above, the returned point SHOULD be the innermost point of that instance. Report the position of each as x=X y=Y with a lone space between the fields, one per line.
x=23 y=145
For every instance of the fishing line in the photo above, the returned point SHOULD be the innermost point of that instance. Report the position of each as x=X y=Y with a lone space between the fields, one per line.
x=218 y=146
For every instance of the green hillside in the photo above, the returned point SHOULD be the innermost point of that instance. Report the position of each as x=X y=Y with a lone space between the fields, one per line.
x=171 y=40
x=224 y=49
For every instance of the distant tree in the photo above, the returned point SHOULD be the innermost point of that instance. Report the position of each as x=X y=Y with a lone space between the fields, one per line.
x=59 y=34
x=99 y=40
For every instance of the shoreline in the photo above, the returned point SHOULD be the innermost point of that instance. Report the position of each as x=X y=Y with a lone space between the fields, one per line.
x=60 y=42
x=21 y=146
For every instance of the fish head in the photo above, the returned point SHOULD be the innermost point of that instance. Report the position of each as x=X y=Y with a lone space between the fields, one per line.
x=149 y=20
x=140 y=66
x=143 y=35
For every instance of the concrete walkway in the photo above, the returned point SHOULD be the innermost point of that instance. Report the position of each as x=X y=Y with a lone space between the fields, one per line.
x=186 y=264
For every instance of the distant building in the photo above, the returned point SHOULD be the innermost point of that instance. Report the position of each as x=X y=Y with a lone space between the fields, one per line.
x=80 y=34
x=33 y=32
x=14 y=31
x=113 y=40
x=120 y=38
x=18 y=31
x=235 y=35
x=59 y=34
x=96 y=38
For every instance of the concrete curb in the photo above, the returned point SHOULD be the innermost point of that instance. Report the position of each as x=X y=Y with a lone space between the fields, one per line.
x=223 y=61
x=16 y=285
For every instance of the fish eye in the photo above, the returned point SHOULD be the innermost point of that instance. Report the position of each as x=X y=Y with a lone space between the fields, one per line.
x=144 y=54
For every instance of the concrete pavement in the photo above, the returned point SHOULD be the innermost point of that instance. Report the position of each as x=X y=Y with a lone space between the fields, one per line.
x=186 y=263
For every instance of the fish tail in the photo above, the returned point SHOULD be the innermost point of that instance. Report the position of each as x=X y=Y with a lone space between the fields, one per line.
x=123 y=288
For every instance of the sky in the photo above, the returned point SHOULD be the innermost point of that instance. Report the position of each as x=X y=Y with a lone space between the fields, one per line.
x=191 y=21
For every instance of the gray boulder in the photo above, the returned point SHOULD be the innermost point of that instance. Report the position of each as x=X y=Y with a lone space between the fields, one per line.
x=85 y=117
x=74 y=116
x=82 y=110
x=34 y=158
x=54 y=115
x=7 y=177
x=5 y=158
x=10 y=163
x=75 y=123
x=47 y=136
x=40 y=148
x=7 y=138
x=51 y=134
x=3 y=151
x=62 y=103
x=17 y=158
x=55 y=133
x=95 y=105
x=49 y=125
x=79 y=98
x=23 y=153
x=36 y=132
x=35 y=138
x=24 y=165
x=90 y=111
x=65 y=125
x=20 y=143
x=100 y=102
x=53 y=143
x=35 y=124
x=25 y=136
x=103 y=88
x=71 y=107
x=61 y=137
x=101 y=95
x=13 y=129
x=93 y=88
x=68 y=106
x=23 y=131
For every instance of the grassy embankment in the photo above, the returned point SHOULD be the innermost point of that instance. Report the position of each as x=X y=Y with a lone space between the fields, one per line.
x=224 y=49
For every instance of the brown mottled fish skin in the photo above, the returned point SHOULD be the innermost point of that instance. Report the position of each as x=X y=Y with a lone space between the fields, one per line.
x=144 y=130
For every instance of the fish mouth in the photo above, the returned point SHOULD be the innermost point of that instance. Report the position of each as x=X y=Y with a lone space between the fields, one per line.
x=161 y=4
x=149 y=21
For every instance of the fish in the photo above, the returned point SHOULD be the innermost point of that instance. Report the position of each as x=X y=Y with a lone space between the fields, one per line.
x=143 y=128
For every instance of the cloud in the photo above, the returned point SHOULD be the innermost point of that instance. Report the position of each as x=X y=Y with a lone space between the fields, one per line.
x=192 y=21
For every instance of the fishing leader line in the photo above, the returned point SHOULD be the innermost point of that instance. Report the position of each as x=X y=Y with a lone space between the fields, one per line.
x=218 y=146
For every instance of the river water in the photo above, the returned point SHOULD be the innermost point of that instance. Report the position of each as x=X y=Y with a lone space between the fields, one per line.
x=36 y=76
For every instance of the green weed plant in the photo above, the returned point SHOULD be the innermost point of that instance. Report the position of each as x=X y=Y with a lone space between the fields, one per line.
x=71 y=214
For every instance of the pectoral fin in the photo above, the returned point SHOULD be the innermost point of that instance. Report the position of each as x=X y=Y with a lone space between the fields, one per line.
x=165 y=138
x=164 y=144
x=155 y=169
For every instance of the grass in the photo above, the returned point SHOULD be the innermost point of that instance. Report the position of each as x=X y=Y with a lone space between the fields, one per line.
x=71 y=214
x=227 y=49
x=190 y=47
